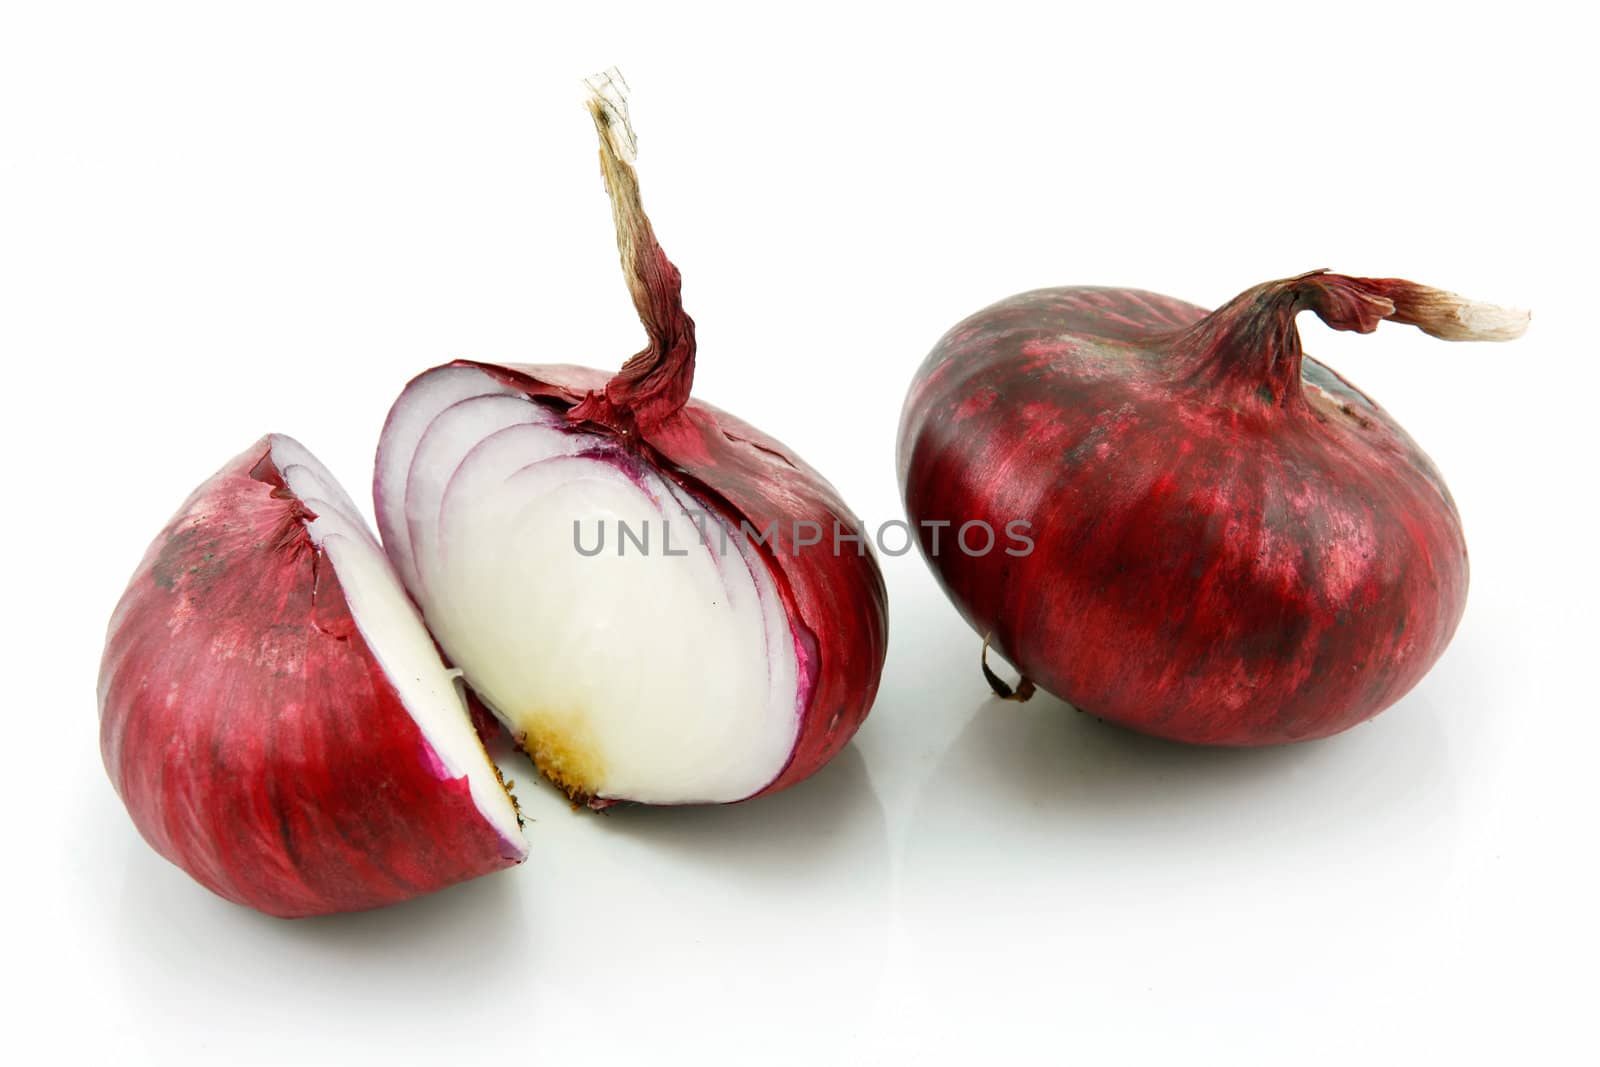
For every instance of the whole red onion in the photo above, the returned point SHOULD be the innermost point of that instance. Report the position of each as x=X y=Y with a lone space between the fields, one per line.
x=1231 y=544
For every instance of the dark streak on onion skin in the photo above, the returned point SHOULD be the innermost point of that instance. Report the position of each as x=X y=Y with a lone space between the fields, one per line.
x=251 y=733
x=1234 y=545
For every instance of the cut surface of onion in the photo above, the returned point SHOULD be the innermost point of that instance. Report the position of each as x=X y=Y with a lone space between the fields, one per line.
x=276 y=717
x=654 y=664
x=394 y=631
x=649 y=593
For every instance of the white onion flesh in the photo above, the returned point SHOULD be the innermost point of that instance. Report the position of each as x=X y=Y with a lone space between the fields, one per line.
x=416 y=408
x=638 y=676
x=394 y=632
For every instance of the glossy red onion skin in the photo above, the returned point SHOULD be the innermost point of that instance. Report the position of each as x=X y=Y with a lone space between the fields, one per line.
x=836 y=604
x=1222 y=558
x=251 y=733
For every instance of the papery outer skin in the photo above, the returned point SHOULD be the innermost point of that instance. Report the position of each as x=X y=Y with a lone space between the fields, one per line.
x=1211 y=565
x=252 y=734
x=836 y=604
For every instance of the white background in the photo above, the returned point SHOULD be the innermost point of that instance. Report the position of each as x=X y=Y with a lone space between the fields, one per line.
x=218 y=220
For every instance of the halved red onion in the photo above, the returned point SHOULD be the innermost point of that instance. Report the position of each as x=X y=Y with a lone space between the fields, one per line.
x=728 y=647
x=274 y=714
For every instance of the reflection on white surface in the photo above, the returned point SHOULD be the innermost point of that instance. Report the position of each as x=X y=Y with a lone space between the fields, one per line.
x=1239 y=872
x=272 y=990
x=970 y=879
x=1026 y=863
x=1060 y=876
x=686 y=915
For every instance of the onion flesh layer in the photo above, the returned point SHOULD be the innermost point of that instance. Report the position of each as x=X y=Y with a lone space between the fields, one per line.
x=629 y=673
x=394 y=631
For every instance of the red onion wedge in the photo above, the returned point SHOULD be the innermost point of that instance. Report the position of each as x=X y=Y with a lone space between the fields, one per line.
x=1233 y=545
x=661 y=603
x=274 y=714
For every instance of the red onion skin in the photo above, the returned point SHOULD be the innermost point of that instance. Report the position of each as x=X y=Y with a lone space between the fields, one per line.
x=1225 y=554
x=252 y=735
x=836 y=603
